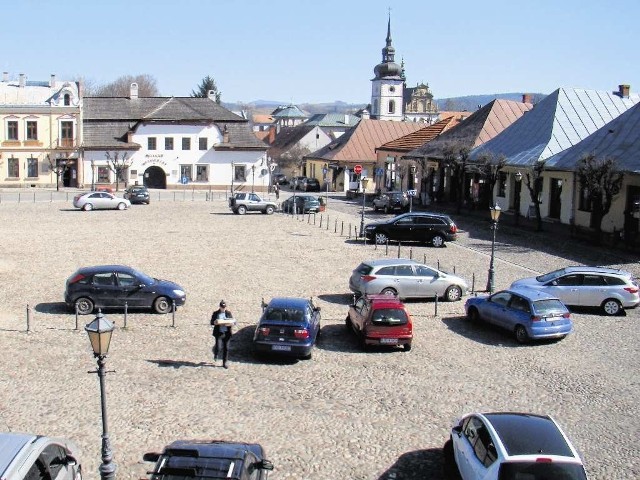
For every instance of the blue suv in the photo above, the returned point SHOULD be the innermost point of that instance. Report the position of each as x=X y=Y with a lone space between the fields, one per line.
x=528 y=313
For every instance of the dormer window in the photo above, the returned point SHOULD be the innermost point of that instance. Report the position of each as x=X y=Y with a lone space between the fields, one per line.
x=67 y=99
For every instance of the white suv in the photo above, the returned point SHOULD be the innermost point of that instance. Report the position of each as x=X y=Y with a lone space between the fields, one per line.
x=607 y=288
x=28 y=456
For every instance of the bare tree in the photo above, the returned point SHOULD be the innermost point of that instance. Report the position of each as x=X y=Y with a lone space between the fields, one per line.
x=490 y=166
x=121 y=87
x=533 y=180
x=119 y=166
x=59 y=165
x=602 y=180
x=293 y=158
x=456 y=156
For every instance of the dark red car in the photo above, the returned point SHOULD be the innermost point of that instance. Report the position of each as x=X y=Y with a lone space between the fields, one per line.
x=381 y=320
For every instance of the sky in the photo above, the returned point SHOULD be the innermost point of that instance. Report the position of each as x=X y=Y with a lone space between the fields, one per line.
x=302 y=51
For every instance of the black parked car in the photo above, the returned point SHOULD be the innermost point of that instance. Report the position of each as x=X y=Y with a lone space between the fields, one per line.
x=296 y=182
x=110 y=286
x=184 y=459
x=303 y=204
x=431 y=228
x=137 y=194
x=279 y=178
x=310 y=185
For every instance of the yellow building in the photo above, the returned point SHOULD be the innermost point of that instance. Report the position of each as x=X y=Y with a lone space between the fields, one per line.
x=40 y=132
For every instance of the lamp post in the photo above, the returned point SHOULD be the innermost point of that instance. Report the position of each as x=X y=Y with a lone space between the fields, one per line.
x=99 y=331
x=517 y=199
x=93 y=175
x=363 y=182
x=495 y=215
x=325 y=171
x=253 y=177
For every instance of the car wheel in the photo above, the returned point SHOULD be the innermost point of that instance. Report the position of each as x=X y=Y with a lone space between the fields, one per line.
x=453 y=293
x=375 y=208
x=242 y=210
x=381 y=238
x=407 y=347
x=87 y=207
x=473 y=315
x=451 y=471
x=162 y=305
x=347 y=323
x=121 y=206
x=437 y=241
x=521 y=334
x=389 y=291
x=611 y=307
x=269 y=210
x=386 y=209
x=85 y=306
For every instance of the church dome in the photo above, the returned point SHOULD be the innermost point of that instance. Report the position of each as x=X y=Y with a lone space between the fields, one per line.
x=387 y=69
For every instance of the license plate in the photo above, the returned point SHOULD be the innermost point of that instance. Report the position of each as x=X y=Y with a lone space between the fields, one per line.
x=389 y=340
x=281 y=348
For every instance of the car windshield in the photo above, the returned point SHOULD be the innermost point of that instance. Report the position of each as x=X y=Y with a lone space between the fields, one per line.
x=389 y=316
x=545 y=470
x=284 y=315
x=551 y=305
x=547 y=277
x=178 y=468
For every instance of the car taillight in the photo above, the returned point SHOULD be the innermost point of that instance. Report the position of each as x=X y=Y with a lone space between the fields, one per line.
x=264 y=331
x=544 y=460
x=301 y=333
x=566 y=315
x=77 y=278
x=536 y=318
x=631 y=289
x=453 y=228
x=367 y=278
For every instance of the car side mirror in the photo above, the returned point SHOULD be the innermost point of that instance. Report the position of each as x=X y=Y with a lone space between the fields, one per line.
x=151 y=457
x=265 y=465
x=554 y=283
x=457 y=430
x=317 y=309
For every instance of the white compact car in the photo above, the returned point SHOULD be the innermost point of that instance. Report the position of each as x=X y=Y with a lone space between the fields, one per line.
x=27 y=456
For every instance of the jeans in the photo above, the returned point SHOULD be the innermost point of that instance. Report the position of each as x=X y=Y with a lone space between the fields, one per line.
x=224 y=338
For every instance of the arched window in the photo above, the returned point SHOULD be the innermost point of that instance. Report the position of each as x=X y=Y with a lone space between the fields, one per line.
x=67 y=99
x=392 y=106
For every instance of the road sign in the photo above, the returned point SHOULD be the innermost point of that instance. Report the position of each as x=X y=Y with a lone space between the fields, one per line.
x=357 y=169
x=412 y=193
x=272 y=167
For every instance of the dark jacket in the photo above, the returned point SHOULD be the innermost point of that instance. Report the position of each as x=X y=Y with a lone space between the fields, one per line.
x=216 y=328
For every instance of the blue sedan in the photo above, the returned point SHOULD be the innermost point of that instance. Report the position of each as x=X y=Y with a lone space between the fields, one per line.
x=528 y=313
x=288 y=326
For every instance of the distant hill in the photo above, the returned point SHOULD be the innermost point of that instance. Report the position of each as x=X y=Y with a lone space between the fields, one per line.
x=468 y=103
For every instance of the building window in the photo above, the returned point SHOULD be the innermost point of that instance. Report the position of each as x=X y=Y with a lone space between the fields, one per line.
x=151 y=143
x=392 y=106
x=201 y=173
x=12 y=130
x=186 y=143
x=32 y=130
x=502 y=184
x=202 y=143
x=66 y=134
x=185 y=173
x=67 y=99
x=239 y=173
x=32 y=167
x=168 y=143
x=13 y=166
x=103 y=174
x=585 y=199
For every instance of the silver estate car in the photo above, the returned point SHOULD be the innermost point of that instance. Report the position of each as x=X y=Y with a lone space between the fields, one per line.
x=406 y=279
x=607 y=288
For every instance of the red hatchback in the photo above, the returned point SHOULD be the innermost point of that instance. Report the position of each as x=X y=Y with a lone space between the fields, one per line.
x=380 y=320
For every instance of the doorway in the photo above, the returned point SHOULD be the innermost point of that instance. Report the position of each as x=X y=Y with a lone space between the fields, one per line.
x=555 y=195
x=155 y=177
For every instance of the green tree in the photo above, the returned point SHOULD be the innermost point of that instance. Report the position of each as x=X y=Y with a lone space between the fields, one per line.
x=207 y=85
x=602 y=180
x=121 y=87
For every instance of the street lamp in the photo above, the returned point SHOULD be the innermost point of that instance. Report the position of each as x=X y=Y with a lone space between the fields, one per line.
x=325 y=171
x=363 y=182
x=253 y=177
x=517 y=199
x=495 y=215
x=99 y=331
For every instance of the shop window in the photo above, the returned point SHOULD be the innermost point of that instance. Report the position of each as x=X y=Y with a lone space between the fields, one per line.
x=32 y=167
x=185 y=172
x=201 y=173
x=239 y=173
x=103 y=174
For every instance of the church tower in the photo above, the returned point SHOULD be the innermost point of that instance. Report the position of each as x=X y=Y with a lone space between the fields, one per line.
x=387 y=87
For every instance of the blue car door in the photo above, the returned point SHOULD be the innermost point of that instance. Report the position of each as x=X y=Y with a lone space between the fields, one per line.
x=496 y=310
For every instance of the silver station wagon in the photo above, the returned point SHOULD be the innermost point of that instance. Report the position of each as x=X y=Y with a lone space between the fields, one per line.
x=405 y=279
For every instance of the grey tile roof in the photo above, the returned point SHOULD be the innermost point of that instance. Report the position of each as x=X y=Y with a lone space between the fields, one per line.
x=559 y=121
x=618 y=139
x=240 y=136
x=289 y=136
x=288 y=111
x=333 y=120
x=107 y=135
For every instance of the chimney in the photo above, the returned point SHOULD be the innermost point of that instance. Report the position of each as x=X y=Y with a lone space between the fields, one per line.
x=211 y=95
x=623 y=91
x=526 y=98
x=52 y=82
x=5 y=77
x=346 y=119
x=133 y=91
x=23 y=80
x=225 y=135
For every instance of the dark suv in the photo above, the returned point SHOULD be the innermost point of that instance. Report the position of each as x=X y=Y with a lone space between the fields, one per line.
x=431 y=228
x=137 y=194
x=310 y=185
x=391 y=201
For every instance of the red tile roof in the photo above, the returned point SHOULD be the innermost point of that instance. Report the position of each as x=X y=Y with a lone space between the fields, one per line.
x=420 y=137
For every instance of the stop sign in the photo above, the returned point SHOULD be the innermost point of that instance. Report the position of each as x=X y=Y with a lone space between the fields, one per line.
x=357 y=169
